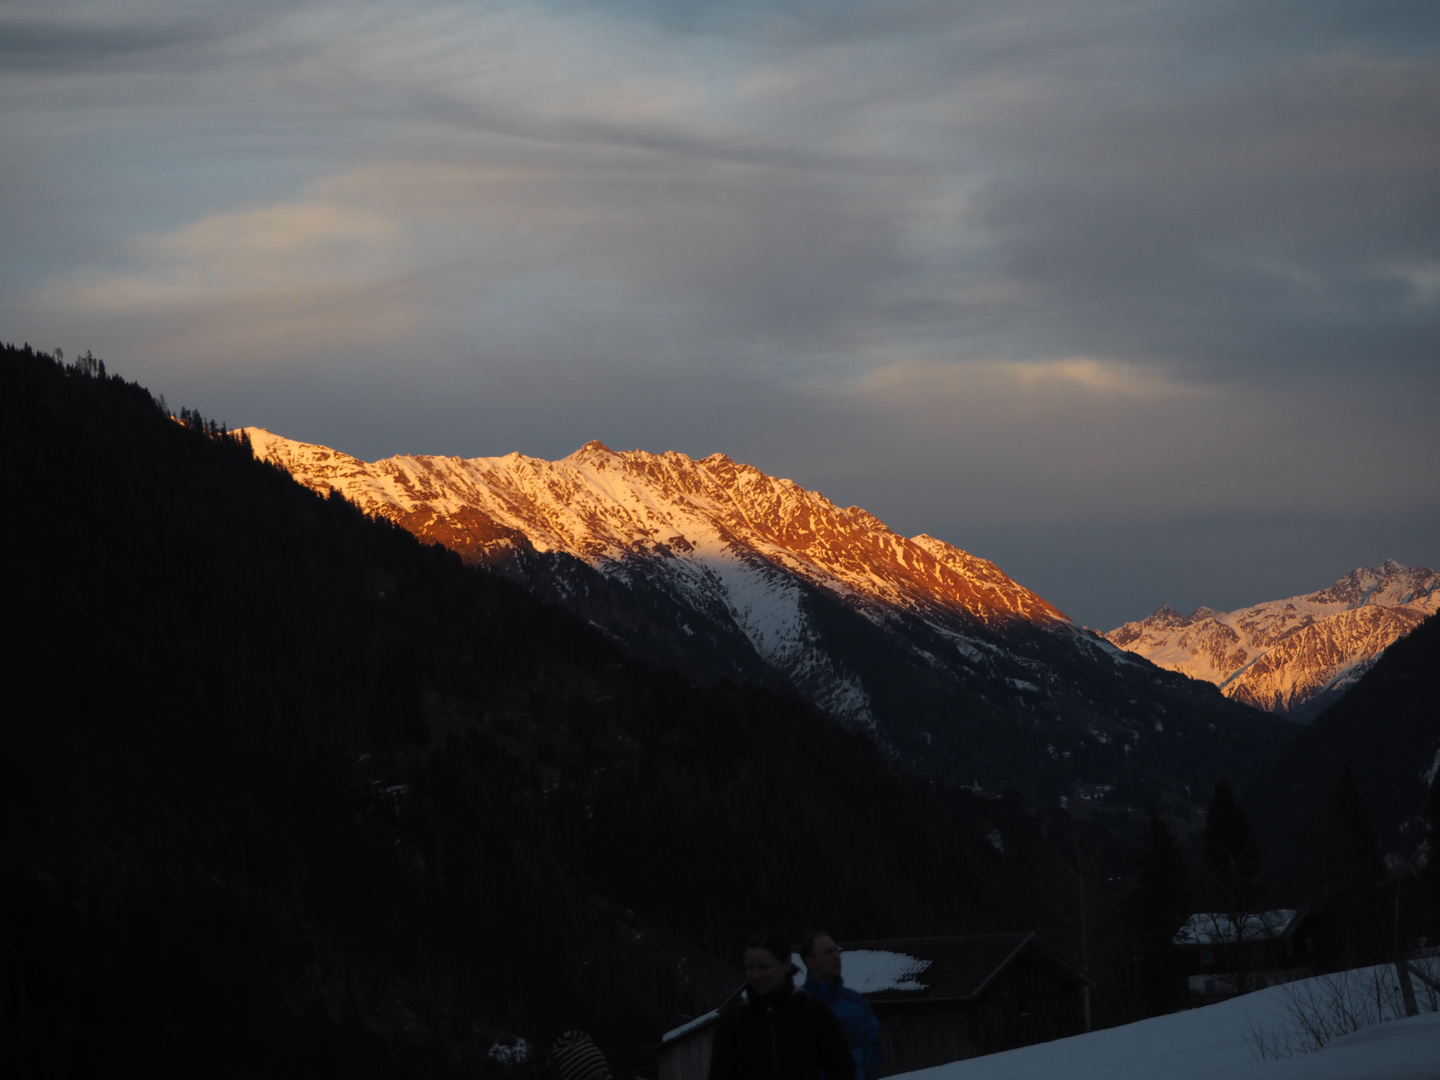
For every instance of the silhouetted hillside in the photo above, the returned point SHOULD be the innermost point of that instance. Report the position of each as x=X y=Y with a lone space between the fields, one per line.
x=1386 y=731
x=286 y=792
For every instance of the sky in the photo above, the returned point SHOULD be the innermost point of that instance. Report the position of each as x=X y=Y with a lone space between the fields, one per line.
x=1138 y=299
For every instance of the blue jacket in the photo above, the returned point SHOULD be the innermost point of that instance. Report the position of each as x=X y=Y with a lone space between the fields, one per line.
x=862 y=1030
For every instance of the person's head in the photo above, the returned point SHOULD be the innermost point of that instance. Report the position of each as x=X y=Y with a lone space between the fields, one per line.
x=767 y=962
x=821 y=955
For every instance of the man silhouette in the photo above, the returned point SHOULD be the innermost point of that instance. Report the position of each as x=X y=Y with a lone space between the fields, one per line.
x=823 y=981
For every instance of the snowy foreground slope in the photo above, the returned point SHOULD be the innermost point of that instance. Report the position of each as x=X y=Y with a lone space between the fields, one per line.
x=1296 y=655
x=1224 y=1040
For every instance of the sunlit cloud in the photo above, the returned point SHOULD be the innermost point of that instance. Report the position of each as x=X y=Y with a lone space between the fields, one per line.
x=298 y=275
x=1062 y=382
x=281 y=250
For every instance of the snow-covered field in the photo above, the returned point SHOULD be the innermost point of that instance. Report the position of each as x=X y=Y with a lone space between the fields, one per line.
x=1226 y=1040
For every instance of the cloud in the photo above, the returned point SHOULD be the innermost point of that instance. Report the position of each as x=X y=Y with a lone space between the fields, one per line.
x=285 y=276
x=1421 y=281
x=1057 y=382
x=1083 y=440
x=280 y=250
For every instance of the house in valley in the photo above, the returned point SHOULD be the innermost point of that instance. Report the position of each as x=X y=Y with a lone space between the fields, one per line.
x=1226 y=955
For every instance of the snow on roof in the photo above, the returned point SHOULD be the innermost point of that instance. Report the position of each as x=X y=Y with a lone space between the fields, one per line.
x=684 y=1029
x=871 y=970
x=1214 y=928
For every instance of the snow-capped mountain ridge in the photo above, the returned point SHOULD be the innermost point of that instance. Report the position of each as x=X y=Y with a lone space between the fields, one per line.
x=1294 y=654
x=724 y=539
x=713 y=515
x=717 y=569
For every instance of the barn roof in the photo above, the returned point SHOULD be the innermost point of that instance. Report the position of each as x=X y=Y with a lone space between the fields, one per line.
x=958 y=968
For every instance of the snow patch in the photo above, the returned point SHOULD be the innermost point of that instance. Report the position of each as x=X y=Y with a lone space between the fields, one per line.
x=868 y=971
x=1429 y=774
x=511 y=1054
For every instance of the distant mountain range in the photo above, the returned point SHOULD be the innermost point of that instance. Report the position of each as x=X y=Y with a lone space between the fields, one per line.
x=1294 y=656
x=720 y=570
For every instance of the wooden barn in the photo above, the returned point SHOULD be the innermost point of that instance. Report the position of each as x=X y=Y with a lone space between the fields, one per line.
x=938 y=1000
x=944 y=999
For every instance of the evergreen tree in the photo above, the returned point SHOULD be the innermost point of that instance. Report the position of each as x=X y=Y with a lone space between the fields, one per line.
x=1232 y=883
x=1351 y=871
x=1158 y=906
x=1432 y=866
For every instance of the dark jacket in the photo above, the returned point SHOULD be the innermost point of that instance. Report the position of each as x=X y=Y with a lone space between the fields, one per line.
x=862 y=1030
x=783 y=1035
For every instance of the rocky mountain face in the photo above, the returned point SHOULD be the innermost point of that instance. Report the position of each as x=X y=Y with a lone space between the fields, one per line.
x=718 y=569
x=1294 y=656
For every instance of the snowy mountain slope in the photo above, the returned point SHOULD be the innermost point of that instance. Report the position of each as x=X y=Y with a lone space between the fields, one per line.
x=715 y=517
x=723 y=571
x=726 y=540
x=1295 y=655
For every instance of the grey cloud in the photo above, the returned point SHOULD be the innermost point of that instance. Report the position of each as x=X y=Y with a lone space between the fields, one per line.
x=51 y=47
x=121 y=35
x=1257 y=221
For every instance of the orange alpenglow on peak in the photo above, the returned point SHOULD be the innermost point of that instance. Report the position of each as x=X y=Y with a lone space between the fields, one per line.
x=722 y=512
x=753 y=568
x=1296 y=655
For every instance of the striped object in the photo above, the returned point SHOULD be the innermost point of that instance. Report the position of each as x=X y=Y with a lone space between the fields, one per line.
x=578 y=1058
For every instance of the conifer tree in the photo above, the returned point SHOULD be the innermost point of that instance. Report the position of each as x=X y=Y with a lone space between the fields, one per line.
x=1432 y=867
x=1232 y=883
x=1351 y=872
x=1158 y=906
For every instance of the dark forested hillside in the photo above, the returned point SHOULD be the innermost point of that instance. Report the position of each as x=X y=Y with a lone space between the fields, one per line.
x=1386 y=732
x=286 y=792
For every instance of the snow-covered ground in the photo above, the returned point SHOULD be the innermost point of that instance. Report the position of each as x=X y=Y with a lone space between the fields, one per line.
x=1226 y=1040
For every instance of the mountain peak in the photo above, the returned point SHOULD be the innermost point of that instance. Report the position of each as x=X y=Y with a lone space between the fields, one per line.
x=720 y=537
x=592 y=449
x=1281 y=654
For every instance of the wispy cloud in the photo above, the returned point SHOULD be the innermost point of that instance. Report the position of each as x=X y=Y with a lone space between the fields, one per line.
x=291 y=250
x=1060 y=381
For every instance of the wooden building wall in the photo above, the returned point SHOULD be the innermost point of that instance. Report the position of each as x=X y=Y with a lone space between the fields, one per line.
x=1031 y=1001
x=919 y=1035
x=688 y=1057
